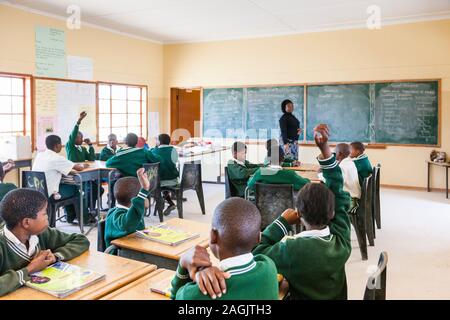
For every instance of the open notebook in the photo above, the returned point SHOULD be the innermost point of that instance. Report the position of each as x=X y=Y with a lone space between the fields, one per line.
x=62 y=279
x=165 y=234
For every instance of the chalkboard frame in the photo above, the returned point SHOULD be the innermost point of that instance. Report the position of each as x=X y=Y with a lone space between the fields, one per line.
x=304 y=141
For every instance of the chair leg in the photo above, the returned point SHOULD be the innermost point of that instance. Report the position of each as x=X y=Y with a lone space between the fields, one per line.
x=360 y=235
x=51 y=212
x=159 y=205
x=179 y=197
x=201 y=199
x=378 y=213
x=369 y=227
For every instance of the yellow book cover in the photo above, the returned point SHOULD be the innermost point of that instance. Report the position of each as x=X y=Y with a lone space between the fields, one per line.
x=166 y=234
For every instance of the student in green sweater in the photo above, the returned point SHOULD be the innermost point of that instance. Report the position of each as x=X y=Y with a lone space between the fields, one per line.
x=169 y=174
x=274 y=174
x=129 y=159
x=240 y=169
x=110 y=150
x=74 y=149
x=361 y=161
x=128 y=215
x=240 y=275
x=6 y=167
x=313 y=261
x=27 y=244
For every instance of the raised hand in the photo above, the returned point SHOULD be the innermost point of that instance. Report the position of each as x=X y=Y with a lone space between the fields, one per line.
x=87 y=141
x=291 y=216
x=82 y=116
x=321 y=135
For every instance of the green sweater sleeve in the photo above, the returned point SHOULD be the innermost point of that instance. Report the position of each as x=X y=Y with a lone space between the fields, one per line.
x=254 y=179
x=151 y=157
x=12 y=280
x=105 y=155
x=130 y=221
x=238 y=172
x=70 y=145
x=112 y=162
x=65 y=246
x=180 y=279
x=298 y=181
x=89 y=155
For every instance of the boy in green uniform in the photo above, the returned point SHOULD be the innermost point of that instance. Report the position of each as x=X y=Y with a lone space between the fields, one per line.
x=313 y=261
x=129 y=159
x=27 y=244
x=6 y=167
x=167 y=168
x=240 y=275
x=361 y=161
x=110 y=150
x=239 y=169
x=128 y=215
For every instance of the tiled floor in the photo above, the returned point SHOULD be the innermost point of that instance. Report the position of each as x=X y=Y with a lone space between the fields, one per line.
x=415 y=233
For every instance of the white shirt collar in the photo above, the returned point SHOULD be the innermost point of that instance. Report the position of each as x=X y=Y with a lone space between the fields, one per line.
x=164 y=146
x=79 y=147
x=121 y=206
x=345 y=160
x=32 y=243
x=111 y=149
x=236 y=261
x=314 y=233
x=239 y=162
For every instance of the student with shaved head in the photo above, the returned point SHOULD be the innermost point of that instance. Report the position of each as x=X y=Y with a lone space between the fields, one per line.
x=240 y=275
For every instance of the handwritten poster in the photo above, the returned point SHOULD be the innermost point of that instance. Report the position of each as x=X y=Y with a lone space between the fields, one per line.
x=50 y=52
x=80 y=68
x=46 y=98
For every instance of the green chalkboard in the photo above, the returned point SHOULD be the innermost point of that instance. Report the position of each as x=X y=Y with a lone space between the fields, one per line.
x=345 y=108
x=264 y=109
x=406 y=113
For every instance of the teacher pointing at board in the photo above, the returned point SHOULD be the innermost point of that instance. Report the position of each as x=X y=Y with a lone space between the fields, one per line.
x=290 y=130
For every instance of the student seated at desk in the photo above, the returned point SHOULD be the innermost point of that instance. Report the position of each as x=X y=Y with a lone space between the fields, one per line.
x=6 y=187
x=240 y=169
x=274 y=173
x=55 y=166
x=361 y=160
x=27 y=244
x=169 y=175
x=313 y=261
x=129 y=159
x=241 y=275
x=128 y=215
x=110 y=150
x=272 y=145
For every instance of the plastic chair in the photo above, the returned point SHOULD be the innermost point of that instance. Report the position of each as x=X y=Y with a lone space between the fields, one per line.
x=272 y=200
x=230 y=190
x=101 y=243
x=376 y=283
x=113 y=176
x=36 y=180
x=152 y=170
x=376 y=195
x=370 y=221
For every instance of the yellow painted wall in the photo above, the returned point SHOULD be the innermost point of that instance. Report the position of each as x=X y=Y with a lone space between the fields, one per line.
x=409 y=51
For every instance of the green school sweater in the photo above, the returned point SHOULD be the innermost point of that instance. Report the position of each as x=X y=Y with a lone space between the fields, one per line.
x=76 y=154
x=314 y=265
x=5 y=188
x=121 y=221
x=13 y=262
x=256 y=280
x=239 y=174
x=273 y=175
x=129 y=160
x=106 y=154
x=363 y=166
x=169 y=158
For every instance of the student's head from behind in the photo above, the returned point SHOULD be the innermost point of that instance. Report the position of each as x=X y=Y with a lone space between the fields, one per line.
x=53 y=142
x=163 y=139
x=25 y=209
x=236 y=226
x=356 y=149
x=342 y=151
x=131 y=140
x=239 y=151
x=125 y=189
x=275 y=153
x=315 y=203
x=287 y=106
x=112 y=141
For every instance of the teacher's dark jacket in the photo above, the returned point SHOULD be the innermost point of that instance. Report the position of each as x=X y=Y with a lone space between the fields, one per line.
x=288 y=126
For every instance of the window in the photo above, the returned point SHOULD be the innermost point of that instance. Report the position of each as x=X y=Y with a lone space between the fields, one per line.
x=15 y=105
x=121 y=109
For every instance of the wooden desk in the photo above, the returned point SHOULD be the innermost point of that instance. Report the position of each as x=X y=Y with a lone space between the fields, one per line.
x=22 y=163
x=119 y=272
x=311 y=175
x=164 y=256
x=304 y=167
x=445 y=165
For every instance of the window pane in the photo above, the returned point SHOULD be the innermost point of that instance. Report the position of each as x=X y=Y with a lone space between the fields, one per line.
x=5 y=85
x=119 y=92
x=17 y=123
x=134 y=93
x=119 y=120
x=119 y=106
x=103 y=134
x=134 y=120
x=17 y=86
x=134 y=107
x=136 y=130
x=5 y=104
x=6 y=125
x=104 y=120
x=104 y=91
x=120 y=133
x=104 y=106
x=17 y=105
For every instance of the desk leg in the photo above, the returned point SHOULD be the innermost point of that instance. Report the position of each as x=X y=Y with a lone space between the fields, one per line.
x=428 y=177
x=219 y=178
x=446 y=182
x=80 y=220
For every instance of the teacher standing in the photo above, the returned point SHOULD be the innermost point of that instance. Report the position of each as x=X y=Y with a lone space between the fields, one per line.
x=290 y=130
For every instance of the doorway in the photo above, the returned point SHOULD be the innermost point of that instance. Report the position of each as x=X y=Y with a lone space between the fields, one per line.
x=185 y=110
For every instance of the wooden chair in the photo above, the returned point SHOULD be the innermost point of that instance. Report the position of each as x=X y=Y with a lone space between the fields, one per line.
x=376 y=283
x=152 y=170
x=376 y=195
x=230 y=190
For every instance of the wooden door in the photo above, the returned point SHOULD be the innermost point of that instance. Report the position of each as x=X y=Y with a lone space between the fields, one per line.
x=185 y=109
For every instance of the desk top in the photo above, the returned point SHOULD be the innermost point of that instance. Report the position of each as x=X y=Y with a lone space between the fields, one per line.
x=304 y=167
x=311 y=175
x=182 y=153
x=133 y=242
x=442 y=164
x=95 y=165
x=119 y=272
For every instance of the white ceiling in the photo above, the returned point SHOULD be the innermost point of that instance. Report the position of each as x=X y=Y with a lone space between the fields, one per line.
x=172 y=21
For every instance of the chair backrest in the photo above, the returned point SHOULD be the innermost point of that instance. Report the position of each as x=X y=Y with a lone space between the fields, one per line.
x=35 y=180
x=2 y=172
x=101 y=243
x=376 y=283
x=230 y=190
x=366 y=193
x=272 y=200
x=152 y=170
x=192 y=175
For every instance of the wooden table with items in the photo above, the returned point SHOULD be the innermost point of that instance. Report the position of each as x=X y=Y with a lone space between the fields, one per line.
x=445 y=165
x=164 y=256
x=119 y=272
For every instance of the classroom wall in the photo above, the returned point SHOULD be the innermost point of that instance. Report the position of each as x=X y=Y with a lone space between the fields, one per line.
x=409 y=51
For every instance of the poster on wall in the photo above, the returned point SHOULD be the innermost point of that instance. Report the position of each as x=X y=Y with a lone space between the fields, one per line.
x=80 y=68
x=50 y=48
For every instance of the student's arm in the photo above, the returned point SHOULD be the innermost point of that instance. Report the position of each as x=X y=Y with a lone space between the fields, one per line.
x=237 y=172
x=63 y=245
x=253 y=180
x=151 y=157
x=113 y=162
x=180 y=279
x=298 y=181
x=283 y=129
x=12 y=280
x=73 y=135
x=130 y=221
x=104 y=156
x=89 y=155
